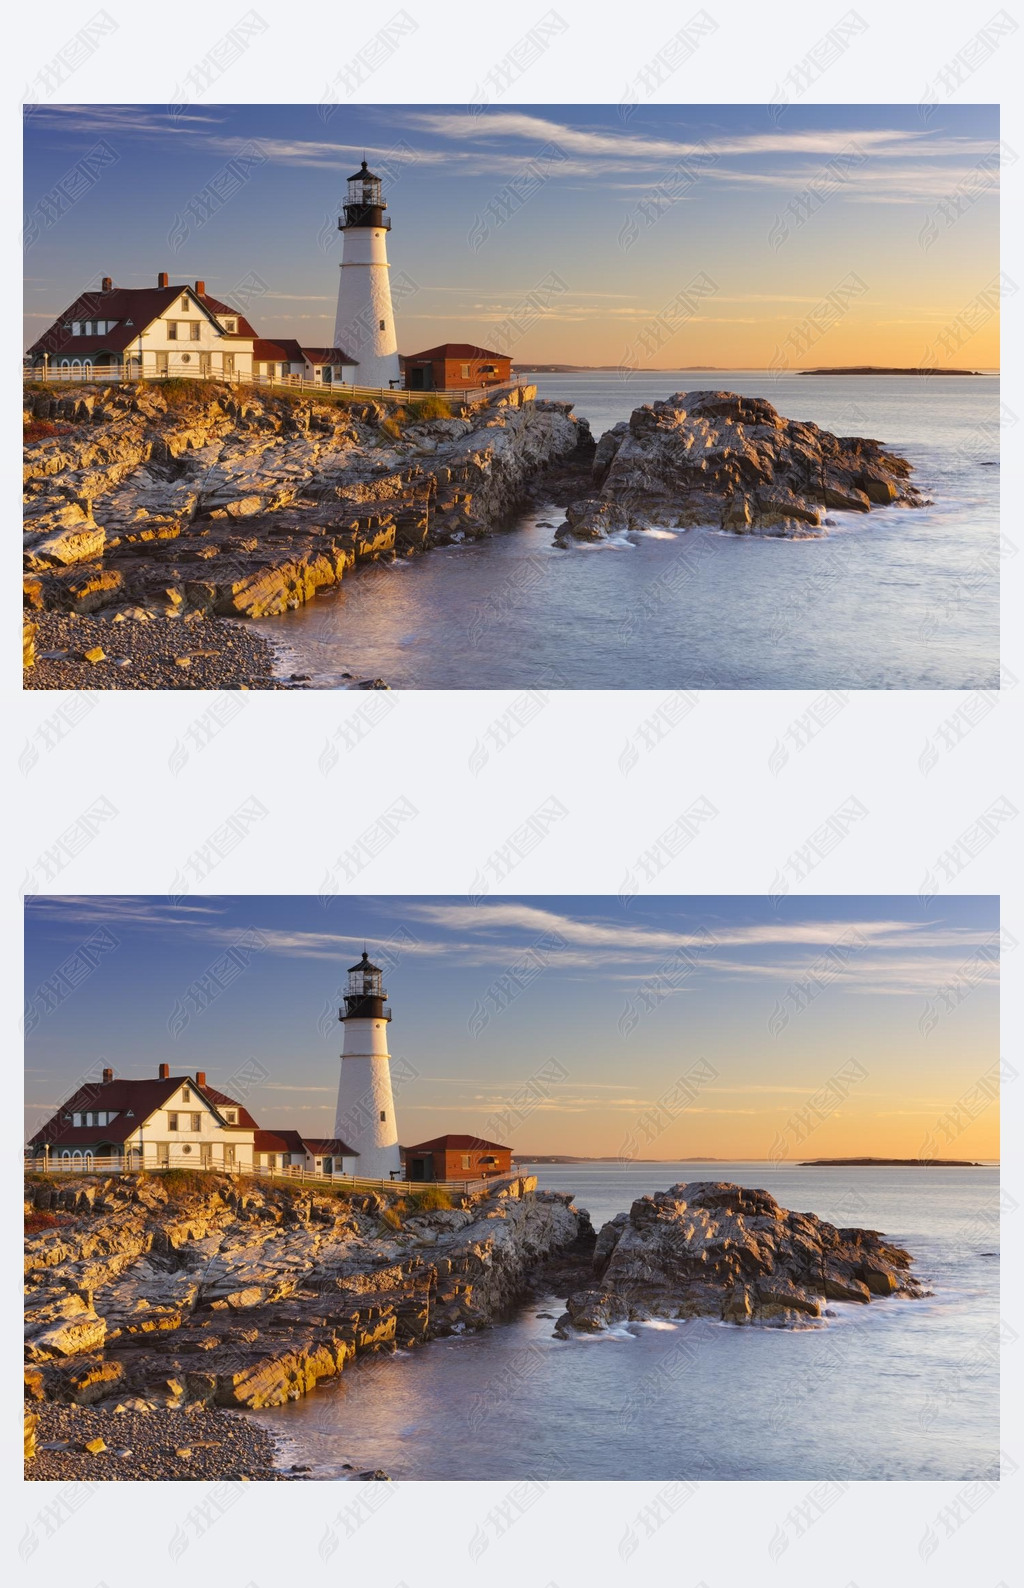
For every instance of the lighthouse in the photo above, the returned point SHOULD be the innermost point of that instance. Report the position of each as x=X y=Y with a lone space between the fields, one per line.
x=365 y=325
x=366 y=1109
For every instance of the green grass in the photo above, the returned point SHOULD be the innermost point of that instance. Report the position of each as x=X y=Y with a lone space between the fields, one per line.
x=183 y=1179
x=179 y=391
x=430 y=407
x=430 y=1200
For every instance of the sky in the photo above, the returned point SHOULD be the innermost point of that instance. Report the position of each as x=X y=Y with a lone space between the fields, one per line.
x=725 y=1027
x=643 y=235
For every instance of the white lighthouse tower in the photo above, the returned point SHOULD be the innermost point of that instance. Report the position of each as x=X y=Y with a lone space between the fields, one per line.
x=365 y=326
x=366 y=1110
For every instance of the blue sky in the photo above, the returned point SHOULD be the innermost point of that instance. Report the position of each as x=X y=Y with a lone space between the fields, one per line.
x=618 y=207
x=614 y=1005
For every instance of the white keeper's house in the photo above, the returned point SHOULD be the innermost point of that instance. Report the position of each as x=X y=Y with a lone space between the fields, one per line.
x=150 y=332
x=174 y=1121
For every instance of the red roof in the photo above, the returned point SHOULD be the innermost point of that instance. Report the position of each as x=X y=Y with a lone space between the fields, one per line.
x=288 y=1141
x=269 y=1141
x=294 y=1141
x=327 y=355
x=221 y=1099
x=329 y=1147
x=295 y=353
x=134 y=308
x=263 y=349
x=457 y=350
x=220 y=309
x=133 y=1102
x=456 y=1144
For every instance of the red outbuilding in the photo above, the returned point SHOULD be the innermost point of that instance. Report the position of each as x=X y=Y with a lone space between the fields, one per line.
x=454 y=366
x=457 y=1158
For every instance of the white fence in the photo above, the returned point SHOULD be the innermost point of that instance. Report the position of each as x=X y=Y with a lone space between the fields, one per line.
x=88 y=1163
x=117 y=374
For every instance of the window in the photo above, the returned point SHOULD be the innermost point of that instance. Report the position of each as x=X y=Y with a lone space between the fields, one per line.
x=184 y=305
x=383 y=1115
x=184 y=1094
x=172 y=330
x=231 y=1116
x=172 y=1122
x=465 y=371
x=197 y=330
x=467 y=1162
x=197 y=1121
x=231 y=325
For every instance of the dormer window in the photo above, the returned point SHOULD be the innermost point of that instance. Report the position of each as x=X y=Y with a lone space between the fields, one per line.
x=231 y=325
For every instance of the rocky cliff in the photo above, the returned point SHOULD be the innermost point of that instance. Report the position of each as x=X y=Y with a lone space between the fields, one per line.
x=711 y=1249
x=732 y=463
x=207 y=500
x=164 y=1291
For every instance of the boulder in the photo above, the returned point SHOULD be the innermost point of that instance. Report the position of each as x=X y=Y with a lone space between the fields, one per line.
x=840 y=1289
x=718 y=459
x=591 y=519
x=61 y=546
x=714 y=1249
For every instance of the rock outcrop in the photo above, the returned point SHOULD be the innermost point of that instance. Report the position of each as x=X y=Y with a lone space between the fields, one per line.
x=223 y=501
x=710 y=1249
x=147 y=1293
x=732 y=463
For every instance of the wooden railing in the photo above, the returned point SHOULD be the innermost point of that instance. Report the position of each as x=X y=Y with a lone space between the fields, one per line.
x=291 y=1172
x=117 y=374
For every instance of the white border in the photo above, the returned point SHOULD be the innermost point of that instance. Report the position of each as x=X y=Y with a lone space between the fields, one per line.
x=121 y=751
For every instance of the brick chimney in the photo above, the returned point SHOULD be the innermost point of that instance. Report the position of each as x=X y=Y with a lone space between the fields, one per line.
x=200 y=289
x=108 y=1076
x=200 y=1077
x=163 y=279
x=165 y=1072
x=108 y=284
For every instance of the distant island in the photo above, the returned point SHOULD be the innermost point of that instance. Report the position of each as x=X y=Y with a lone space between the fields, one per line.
x=878 y=369
x=886 y=1163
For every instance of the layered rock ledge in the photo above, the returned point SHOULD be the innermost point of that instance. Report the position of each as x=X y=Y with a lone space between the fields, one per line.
x=711 y=1249
x=732 y=463
x=172 y=1291
x=198 y=500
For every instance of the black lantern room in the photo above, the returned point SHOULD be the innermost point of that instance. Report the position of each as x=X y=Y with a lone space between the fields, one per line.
x=365 y=997
x=364 y=204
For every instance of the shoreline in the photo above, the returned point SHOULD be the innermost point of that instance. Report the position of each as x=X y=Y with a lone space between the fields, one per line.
x=190 y=1444
x=158 y=521
x=155 y=653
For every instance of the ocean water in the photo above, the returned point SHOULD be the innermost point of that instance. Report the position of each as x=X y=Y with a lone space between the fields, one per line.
x=895 y=1390
x=894 y=599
